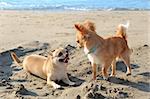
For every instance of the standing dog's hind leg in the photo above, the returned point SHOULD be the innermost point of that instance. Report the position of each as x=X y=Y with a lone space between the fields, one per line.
x=113 y=65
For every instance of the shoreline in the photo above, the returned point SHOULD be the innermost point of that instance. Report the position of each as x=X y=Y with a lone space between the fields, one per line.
x=58 y=11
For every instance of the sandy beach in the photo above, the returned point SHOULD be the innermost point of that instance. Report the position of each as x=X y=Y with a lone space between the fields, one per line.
x=28 y=32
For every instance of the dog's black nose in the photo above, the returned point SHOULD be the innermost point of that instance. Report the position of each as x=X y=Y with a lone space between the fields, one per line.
x=66 y=50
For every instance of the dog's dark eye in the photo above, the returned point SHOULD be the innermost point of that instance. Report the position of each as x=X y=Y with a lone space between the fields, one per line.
x=77 y=41
x=60 y=54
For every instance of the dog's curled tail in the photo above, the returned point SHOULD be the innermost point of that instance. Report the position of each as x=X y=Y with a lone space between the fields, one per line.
x=122 y=29
x=16 y=59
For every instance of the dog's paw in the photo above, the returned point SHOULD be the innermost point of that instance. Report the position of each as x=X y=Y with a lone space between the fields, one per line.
x=57 y=87
x=105 y=78
x=112 y=75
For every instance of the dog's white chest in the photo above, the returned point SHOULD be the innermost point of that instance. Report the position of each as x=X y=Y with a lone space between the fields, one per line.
x=59 y=74
x=92 y=56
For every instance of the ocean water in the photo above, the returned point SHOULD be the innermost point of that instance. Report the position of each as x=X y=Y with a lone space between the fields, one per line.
x=74 y=4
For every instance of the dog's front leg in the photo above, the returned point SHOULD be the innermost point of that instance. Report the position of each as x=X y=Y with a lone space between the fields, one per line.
x=67 y=81
x=94 y=71
x=52 y=83
x=104 y=71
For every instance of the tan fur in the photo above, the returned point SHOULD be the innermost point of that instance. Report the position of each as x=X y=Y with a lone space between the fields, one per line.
x=121 y=32
x=46 y=67
x=107 y=50
x=122 y=29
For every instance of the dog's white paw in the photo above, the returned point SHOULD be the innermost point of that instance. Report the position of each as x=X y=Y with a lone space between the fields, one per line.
x=105 y=78
x=112 y=75
x=57 y=86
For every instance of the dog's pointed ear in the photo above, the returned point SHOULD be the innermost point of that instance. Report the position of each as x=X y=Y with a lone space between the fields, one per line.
x=80 y=27
x=89 y=25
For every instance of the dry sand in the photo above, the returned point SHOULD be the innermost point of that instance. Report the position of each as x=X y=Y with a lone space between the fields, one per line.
x=27 y=32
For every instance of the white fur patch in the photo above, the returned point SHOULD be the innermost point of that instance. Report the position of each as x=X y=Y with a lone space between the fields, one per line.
x=125 y=26
x=86 y=50
x=59 y=72
x=92 y=56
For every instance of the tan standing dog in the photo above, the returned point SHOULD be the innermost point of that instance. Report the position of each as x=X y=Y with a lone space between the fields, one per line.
x=103 y=51
x=52 y=68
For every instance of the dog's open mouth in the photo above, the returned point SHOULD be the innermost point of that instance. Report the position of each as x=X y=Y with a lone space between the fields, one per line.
x=65 y=60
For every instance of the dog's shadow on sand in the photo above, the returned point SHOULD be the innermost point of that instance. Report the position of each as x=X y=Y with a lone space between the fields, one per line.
x=120 y=65
x=143 y=86
x=146 y=74
x=74 y=79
